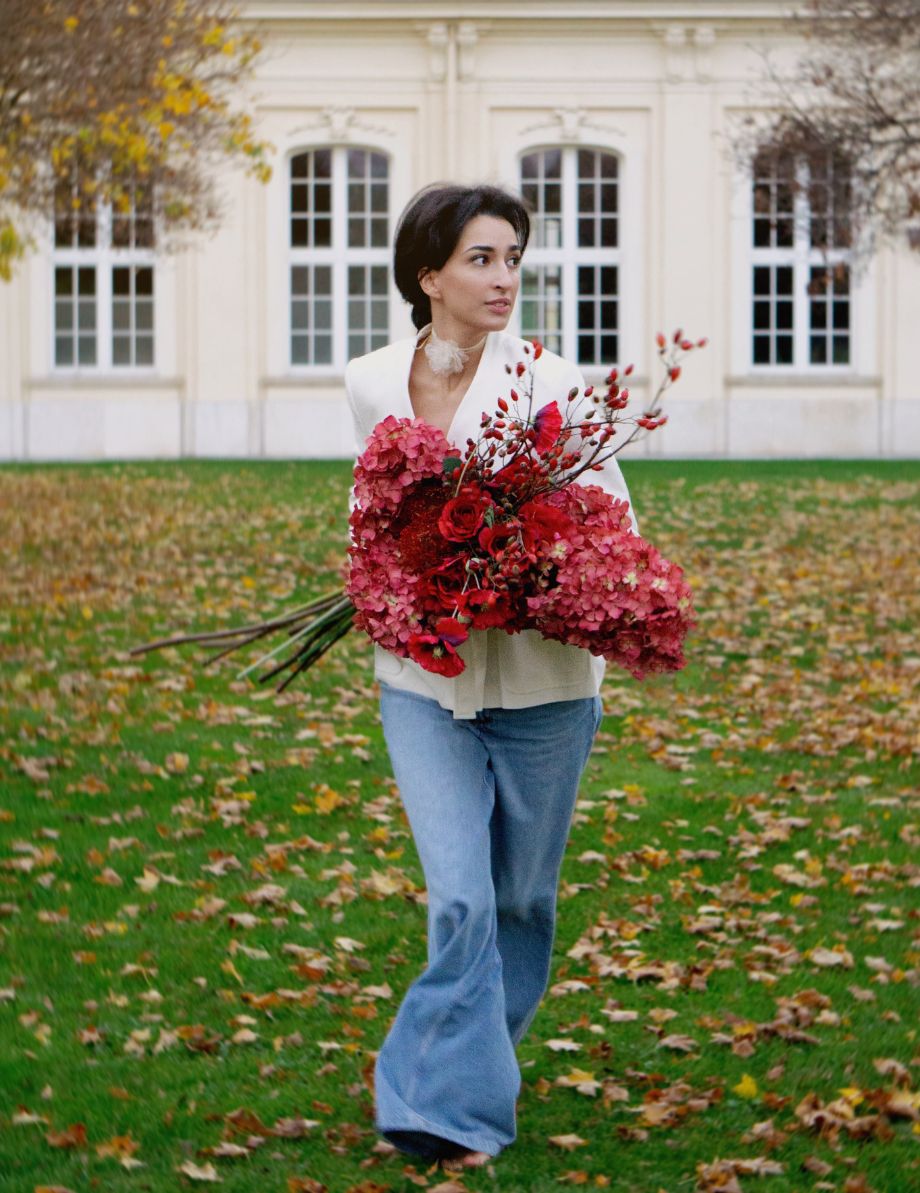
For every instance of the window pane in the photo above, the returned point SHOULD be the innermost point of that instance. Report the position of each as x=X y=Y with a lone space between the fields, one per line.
x=829 y=197
x=311 y=199
x=541 y=310
x=366 y=316
x=132 y=313
x=597 y=314
x=829 y=315
x=63 y=350
x=143 y=316
x=773 y=195
x=543 y=194
x=311 y=314
x=367 y=197
x=772 y=315
x=597 y=198
x=300 y=315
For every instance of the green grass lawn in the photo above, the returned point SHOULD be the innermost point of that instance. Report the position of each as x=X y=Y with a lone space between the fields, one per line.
x=211 y=904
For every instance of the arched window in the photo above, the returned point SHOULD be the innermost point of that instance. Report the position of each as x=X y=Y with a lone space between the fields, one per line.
x=571 y=283
x=800 y=271
x=339 y=257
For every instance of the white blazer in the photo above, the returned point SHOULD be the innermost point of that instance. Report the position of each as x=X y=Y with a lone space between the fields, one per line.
x=502 y=670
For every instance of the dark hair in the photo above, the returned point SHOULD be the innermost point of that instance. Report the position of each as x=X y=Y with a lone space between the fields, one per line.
x=430 y=226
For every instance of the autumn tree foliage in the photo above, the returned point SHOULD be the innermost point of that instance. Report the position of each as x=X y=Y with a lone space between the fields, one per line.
x=852 y=100
x=121 y=102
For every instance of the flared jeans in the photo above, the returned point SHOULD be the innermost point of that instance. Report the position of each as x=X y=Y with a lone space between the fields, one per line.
x=490 y=803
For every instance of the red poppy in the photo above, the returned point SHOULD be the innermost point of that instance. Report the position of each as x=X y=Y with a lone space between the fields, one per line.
x=547 y=424
x=436 y=652
x=431 y=653
x=451 y=631
x=485 y=607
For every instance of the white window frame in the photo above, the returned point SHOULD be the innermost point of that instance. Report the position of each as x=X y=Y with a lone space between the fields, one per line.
x=569 y=256
x=339 y=256
x=103 y=257
x=801 y=257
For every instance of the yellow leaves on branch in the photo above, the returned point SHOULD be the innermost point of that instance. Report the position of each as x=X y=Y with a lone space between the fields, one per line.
x=12 y=248
x=161 y=120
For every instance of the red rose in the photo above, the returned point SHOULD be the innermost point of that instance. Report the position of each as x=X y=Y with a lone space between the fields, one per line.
x=445 y=583
x=545 y=521
x=463 y=515
x=496 y=538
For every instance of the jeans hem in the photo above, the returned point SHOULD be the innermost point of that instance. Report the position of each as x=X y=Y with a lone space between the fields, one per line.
x=403 y=1118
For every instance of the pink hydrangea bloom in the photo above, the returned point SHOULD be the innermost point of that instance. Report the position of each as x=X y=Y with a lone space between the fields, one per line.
x=612 y=592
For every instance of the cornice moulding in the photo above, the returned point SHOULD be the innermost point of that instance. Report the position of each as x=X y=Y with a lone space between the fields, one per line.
x=638 y=12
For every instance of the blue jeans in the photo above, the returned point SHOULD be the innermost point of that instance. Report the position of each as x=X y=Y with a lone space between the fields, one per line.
x=490 y=802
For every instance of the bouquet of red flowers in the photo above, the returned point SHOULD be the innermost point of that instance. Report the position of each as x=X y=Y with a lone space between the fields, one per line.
x=502 y=535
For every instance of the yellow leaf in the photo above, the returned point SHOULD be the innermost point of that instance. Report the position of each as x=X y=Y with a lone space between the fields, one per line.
x=326 y=799
x=71 y=23
x=746 y=1087
x=149 y=881
x=228 y=967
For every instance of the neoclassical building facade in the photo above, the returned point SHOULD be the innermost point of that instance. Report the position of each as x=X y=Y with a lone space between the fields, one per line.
x=612 y=119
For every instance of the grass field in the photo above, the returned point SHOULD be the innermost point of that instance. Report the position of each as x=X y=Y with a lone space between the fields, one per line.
x=211 y=904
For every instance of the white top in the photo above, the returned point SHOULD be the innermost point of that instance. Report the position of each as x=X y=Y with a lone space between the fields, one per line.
x=502 y=670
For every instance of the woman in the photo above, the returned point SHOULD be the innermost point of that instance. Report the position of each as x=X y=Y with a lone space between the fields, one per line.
x=487 y=763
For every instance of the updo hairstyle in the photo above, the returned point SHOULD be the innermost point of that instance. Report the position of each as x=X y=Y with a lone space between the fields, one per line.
x=430 y=226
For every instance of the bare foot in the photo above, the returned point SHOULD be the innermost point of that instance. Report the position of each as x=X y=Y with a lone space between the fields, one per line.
x=467 y=1160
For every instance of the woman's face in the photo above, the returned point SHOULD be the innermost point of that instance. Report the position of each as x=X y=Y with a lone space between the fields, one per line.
x=476 y=288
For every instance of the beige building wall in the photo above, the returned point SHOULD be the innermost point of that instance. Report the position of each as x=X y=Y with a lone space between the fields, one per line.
x=460 y=91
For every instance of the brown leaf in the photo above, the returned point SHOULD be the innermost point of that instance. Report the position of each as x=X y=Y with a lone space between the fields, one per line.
x=72 y=1136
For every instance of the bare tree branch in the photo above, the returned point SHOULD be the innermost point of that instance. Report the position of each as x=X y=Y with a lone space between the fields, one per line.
x=852 y=97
